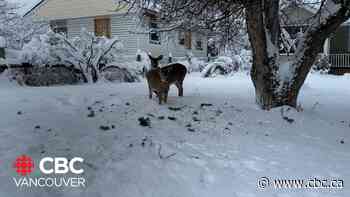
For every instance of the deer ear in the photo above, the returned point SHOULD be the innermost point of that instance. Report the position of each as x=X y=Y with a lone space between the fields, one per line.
x=150 y=56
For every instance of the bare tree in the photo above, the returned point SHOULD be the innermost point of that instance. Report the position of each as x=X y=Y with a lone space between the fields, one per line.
x=276 y=83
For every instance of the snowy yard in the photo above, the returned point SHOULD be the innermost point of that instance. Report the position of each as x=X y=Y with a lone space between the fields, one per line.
x=212 y=142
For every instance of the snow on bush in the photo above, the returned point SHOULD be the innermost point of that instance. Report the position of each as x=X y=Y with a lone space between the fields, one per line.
x=322 y=65
x=193 y=64
x=37 y=51
x=222 y=65
x=196 y=65
x=88 y=54
x=246 y=60
x=17 y=30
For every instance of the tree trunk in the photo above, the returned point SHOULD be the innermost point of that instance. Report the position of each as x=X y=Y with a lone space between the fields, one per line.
x=263 y=26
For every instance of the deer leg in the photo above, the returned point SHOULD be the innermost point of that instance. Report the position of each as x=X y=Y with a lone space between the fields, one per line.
x=160 y=98
x=150 y=93
x=180 y=88
x=165 y=97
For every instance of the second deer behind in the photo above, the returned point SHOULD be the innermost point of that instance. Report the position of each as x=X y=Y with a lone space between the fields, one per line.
x=174 y=73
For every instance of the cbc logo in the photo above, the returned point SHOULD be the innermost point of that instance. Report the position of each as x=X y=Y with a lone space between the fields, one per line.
x=60 y=165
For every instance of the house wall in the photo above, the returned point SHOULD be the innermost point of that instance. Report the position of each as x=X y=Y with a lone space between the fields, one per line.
x=74 y=26
x=77 y=14
x=121 y=26
x=124 y=27
x=338 y=43
x=170 y=44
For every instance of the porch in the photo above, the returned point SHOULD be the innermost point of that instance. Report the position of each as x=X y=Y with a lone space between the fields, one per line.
x=340 y=63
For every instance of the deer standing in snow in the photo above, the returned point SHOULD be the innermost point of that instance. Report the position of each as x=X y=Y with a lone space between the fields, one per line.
x=173 y=73
x=157 y=85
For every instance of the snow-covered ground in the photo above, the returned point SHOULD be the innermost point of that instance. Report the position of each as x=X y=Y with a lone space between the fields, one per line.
x=204 y=151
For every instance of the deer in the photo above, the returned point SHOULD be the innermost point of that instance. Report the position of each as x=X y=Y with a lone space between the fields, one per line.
x=157 y=85
x=174 y=73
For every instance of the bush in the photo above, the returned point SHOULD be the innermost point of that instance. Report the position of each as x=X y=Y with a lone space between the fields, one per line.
x=220 y=66
x=119 y=74
x=51 y=76
x=322 y=65
x=87 y=53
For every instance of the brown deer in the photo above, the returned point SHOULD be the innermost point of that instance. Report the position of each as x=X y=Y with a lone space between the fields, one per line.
x=173 y=73
x=157 y=85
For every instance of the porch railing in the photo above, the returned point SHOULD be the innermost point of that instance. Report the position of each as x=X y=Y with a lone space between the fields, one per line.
x=339 y=60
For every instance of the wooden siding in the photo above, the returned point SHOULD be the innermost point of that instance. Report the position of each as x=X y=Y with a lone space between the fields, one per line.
x=75 y=26
x=124 y=26
x=121 y=26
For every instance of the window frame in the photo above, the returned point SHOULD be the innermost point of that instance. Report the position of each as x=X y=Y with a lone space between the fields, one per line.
x=59 y=26
x=199 y=43
x=154 y=30
x=181 y=38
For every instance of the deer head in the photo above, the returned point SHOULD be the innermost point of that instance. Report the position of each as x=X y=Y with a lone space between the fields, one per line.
x=155 y=61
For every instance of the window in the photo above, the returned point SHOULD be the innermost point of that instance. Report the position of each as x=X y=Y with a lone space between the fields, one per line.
x=59 y=27
x=185 y=38
x=182 y=38
x=154 y=35
x=103 y=27
x=199 y=43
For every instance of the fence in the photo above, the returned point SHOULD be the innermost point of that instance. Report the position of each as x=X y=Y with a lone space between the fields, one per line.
x=339 y=60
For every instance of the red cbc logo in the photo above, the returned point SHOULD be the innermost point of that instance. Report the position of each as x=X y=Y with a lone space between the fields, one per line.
x=24 y=165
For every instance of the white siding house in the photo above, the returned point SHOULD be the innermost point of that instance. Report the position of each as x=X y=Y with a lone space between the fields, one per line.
x=337 y=47
x=106 y=19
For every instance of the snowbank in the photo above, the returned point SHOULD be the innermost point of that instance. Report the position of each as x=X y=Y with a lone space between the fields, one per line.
x=212 y=142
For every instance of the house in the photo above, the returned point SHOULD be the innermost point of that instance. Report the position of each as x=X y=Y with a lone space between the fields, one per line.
x=106 y=18
x=296 y=18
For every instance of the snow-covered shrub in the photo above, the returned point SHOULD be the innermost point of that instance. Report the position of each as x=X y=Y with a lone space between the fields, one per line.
x=119 y=74
x=87 y=53
x=17 y=30
x=246 y=60
x=193 y=64
x=196 y=65
x=322 y=65
x=37 y=51
x=50 y=76
x=137 y=65
x=220 y=66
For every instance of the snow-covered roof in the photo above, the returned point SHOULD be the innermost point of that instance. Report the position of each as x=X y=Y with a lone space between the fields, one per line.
x=63 y=9
x=307 y=7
